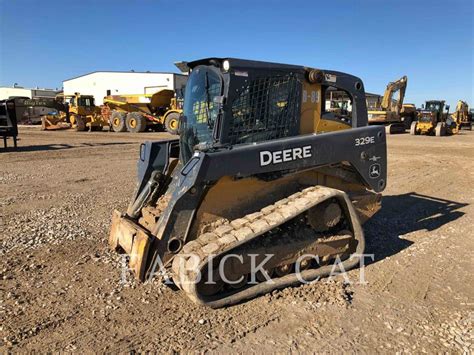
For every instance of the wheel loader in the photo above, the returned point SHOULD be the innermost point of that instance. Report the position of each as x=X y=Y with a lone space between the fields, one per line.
x=395 y=116
x=136 y=113
x=75 y=111
x=432 y=120
x=256 y=194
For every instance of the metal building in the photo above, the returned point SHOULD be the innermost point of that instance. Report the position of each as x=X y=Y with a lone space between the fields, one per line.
x=104 y=83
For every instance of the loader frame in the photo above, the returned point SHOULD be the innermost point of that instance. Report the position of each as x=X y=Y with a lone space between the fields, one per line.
x=205 y=168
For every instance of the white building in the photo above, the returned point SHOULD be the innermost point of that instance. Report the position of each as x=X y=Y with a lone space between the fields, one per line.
x=104 y=83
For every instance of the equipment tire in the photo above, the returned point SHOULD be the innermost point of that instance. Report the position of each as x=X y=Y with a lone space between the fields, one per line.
x=136 y=122
x=440 y=129
x=117 y=121
x=413 y=128
x=80 y=122
x=172 y=122
x=407 y=122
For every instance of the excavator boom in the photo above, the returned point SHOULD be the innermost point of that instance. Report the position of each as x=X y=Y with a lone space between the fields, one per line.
x=400 y=85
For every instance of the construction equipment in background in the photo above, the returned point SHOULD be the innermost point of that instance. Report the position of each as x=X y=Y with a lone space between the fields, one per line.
x=408 y=114
x=433 y=120
x=137 y=113
x=26 y=106
x=390 y=112
x=255 y=171
x=56 y=104
x=75 y=111
x=8 y=122
x=462 y=115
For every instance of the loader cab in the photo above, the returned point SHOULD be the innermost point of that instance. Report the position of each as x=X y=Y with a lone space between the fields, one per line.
x=432 y=111
x=234 y=102
x=86 y=101
x=80 y=104
x=81 y=100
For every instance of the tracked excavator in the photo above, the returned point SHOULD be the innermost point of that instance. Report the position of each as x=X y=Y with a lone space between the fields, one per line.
x=391 y=113
x=260 y=173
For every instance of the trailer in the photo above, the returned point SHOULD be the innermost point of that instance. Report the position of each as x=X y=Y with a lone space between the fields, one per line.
x=8 y=121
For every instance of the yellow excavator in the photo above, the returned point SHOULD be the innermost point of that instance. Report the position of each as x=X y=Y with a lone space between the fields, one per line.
x=393 y=114
x=261 y=190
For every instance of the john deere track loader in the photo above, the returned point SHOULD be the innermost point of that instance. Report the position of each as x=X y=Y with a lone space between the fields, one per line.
x=253 y=196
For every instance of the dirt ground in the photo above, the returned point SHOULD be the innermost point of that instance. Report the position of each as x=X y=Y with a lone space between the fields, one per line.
x=62 y=290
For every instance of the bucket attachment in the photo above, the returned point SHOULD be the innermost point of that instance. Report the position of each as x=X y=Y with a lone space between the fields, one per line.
x=53 y=123
x=129 y=237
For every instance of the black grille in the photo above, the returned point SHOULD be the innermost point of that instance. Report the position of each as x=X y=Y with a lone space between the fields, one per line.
x=267 y=108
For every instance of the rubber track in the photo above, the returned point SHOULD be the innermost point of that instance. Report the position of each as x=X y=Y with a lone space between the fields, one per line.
x=232 y=234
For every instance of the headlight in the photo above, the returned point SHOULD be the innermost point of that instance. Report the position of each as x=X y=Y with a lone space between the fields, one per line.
x=226 y=65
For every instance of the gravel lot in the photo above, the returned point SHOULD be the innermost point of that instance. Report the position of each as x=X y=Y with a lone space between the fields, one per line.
x=62 y=290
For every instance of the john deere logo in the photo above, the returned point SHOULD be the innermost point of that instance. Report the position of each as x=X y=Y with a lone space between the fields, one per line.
x=374 y=171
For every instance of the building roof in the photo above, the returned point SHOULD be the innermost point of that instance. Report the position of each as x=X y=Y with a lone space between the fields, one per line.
x=123 y=72
x=23 y=88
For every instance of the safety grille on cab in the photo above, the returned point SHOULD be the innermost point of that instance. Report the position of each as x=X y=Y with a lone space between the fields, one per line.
x=267 y=108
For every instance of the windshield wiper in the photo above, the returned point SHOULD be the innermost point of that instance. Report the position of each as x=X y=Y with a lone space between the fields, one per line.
x=208 y=102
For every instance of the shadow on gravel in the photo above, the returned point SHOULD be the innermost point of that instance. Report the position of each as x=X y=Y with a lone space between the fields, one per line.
x=402 y=214
x=59 y=146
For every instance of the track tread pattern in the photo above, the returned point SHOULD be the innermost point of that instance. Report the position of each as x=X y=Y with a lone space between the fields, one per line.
x=239 y=231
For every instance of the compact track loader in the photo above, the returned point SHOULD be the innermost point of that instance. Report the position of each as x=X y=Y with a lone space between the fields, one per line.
x=255 y=179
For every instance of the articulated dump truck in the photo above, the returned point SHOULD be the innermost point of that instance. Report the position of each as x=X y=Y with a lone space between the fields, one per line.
x=137 y=113
x=253 y=181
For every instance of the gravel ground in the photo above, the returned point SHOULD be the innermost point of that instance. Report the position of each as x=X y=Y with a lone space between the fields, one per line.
x=63 y=290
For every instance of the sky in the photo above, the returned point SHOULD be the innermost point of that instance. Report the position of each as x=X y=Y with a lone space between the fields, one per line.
x=45 y=42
